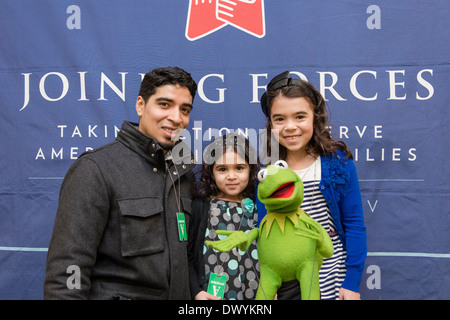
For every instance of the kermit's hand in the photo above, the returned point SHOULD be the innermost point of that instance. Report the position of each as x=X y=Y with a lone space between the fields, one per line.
x=234 y=239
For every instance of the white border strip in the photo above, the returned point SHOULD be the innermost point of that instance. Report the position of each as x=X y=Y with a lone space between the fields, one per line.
x=27 y=249
x=360 y=180
x=369 y=254
x=409 y=254
x=392 y=180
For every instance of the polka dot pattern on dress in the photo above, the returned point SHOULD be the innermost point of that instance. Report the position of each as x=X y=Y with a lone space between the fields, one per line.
x=241 y=268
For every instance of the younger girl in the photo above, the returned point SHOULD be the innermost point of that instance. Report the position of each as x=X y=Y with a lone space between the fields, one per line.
x=297 y=116
x=226 y=202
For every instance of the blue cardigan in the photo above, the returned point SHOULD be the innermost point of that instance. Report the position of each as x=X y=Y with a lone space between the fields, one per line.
x=340 y=188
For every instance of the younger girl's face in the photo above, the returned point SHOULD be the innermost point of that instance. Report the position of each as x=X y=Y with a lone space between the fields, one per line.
x=293 y=117
x=231 y=173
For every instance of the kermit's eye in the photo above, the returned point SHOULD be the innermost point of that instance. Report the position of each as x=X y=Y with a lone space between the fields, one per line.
x=281 y=164
x=262 y=175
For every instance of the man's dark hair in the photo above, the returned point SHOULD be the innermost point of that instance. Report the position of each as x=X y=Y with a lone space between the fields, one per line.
x=164 y=76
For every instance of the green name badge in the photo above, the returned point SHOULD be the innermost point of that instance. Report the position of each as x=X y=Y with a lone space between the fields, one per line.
x=181 y=226
x=216 y=285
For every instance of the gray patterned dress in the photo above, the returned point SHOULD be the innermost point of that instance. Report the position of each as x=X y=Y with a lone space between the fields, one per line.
x=241 y=268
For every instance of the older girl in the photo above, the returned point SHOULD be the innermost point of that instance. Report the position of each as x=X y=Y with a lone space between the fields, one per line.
x=297 y=116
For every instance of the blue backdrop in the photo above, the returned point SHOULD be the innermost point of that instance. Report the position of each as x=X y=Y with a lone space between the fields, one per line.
x=70 y=73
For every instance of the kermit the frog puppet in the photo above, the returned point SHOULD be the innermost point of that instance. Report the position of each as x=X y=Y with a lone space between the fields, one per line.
x=291 y=244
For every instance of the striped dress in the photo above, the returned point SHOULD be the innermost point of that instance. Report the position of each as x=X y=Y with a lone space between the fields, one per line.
x=333 y=270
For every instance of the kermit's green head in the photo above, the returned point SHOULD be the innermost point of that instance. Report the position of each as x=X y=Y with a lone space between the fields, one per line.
x=280 y=188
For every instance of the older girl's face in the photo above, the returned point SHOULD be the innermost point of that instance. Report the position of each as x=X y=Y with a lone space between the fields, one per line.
x=293 y=118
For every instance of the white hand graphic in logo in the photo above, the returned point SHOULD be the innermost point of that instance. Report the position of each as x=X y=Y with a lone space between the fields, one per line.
x=207 y=16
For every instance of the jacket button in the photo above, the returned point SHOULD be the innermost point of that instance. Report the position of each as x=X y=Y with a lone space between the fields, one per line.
x=154 y=169
x=175 y=173
x=153 y=155
x=184 y=167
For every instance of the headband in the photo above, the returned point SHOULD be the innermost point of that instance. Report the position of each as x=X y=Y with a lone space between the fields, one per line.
x=278 y=82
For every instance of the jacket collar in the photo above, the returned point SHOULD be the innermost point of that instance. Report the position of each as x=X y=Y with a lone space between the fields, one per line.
x=148 y=147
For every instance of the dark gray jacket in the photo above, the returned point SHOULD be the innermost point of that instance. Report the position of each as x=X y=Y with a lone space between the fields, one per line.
x=116 y=221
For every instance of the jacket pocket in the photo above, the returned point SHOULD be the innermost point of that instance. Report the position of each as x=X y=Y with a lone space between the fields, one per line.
x=141 y=226
x=186 y=202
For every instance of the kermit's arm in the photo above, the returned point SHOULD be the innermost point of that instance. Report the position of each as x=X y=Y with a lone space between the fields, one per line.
x=317 y=232
x=234 y=239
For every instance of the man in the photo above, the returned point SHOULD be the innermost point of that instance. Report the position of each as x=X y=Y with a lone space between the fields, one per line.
x=124 y=207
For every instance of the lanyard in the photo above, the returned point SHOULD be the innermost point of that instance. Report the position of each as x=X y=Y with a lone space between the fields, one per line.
x=181 y=220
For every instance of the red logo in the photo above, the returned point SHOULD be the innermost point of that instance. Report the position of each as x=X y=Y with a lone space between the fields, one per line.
x=207 y=16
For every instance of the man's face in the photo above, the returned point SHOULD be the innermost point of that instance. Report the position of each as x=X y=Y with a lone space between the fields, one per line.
x=166 y=114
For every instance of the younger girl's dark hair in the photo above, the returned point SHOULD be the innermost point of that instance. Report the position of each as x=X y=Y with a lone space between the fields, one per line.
x=239 y=144
x=321 y=142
